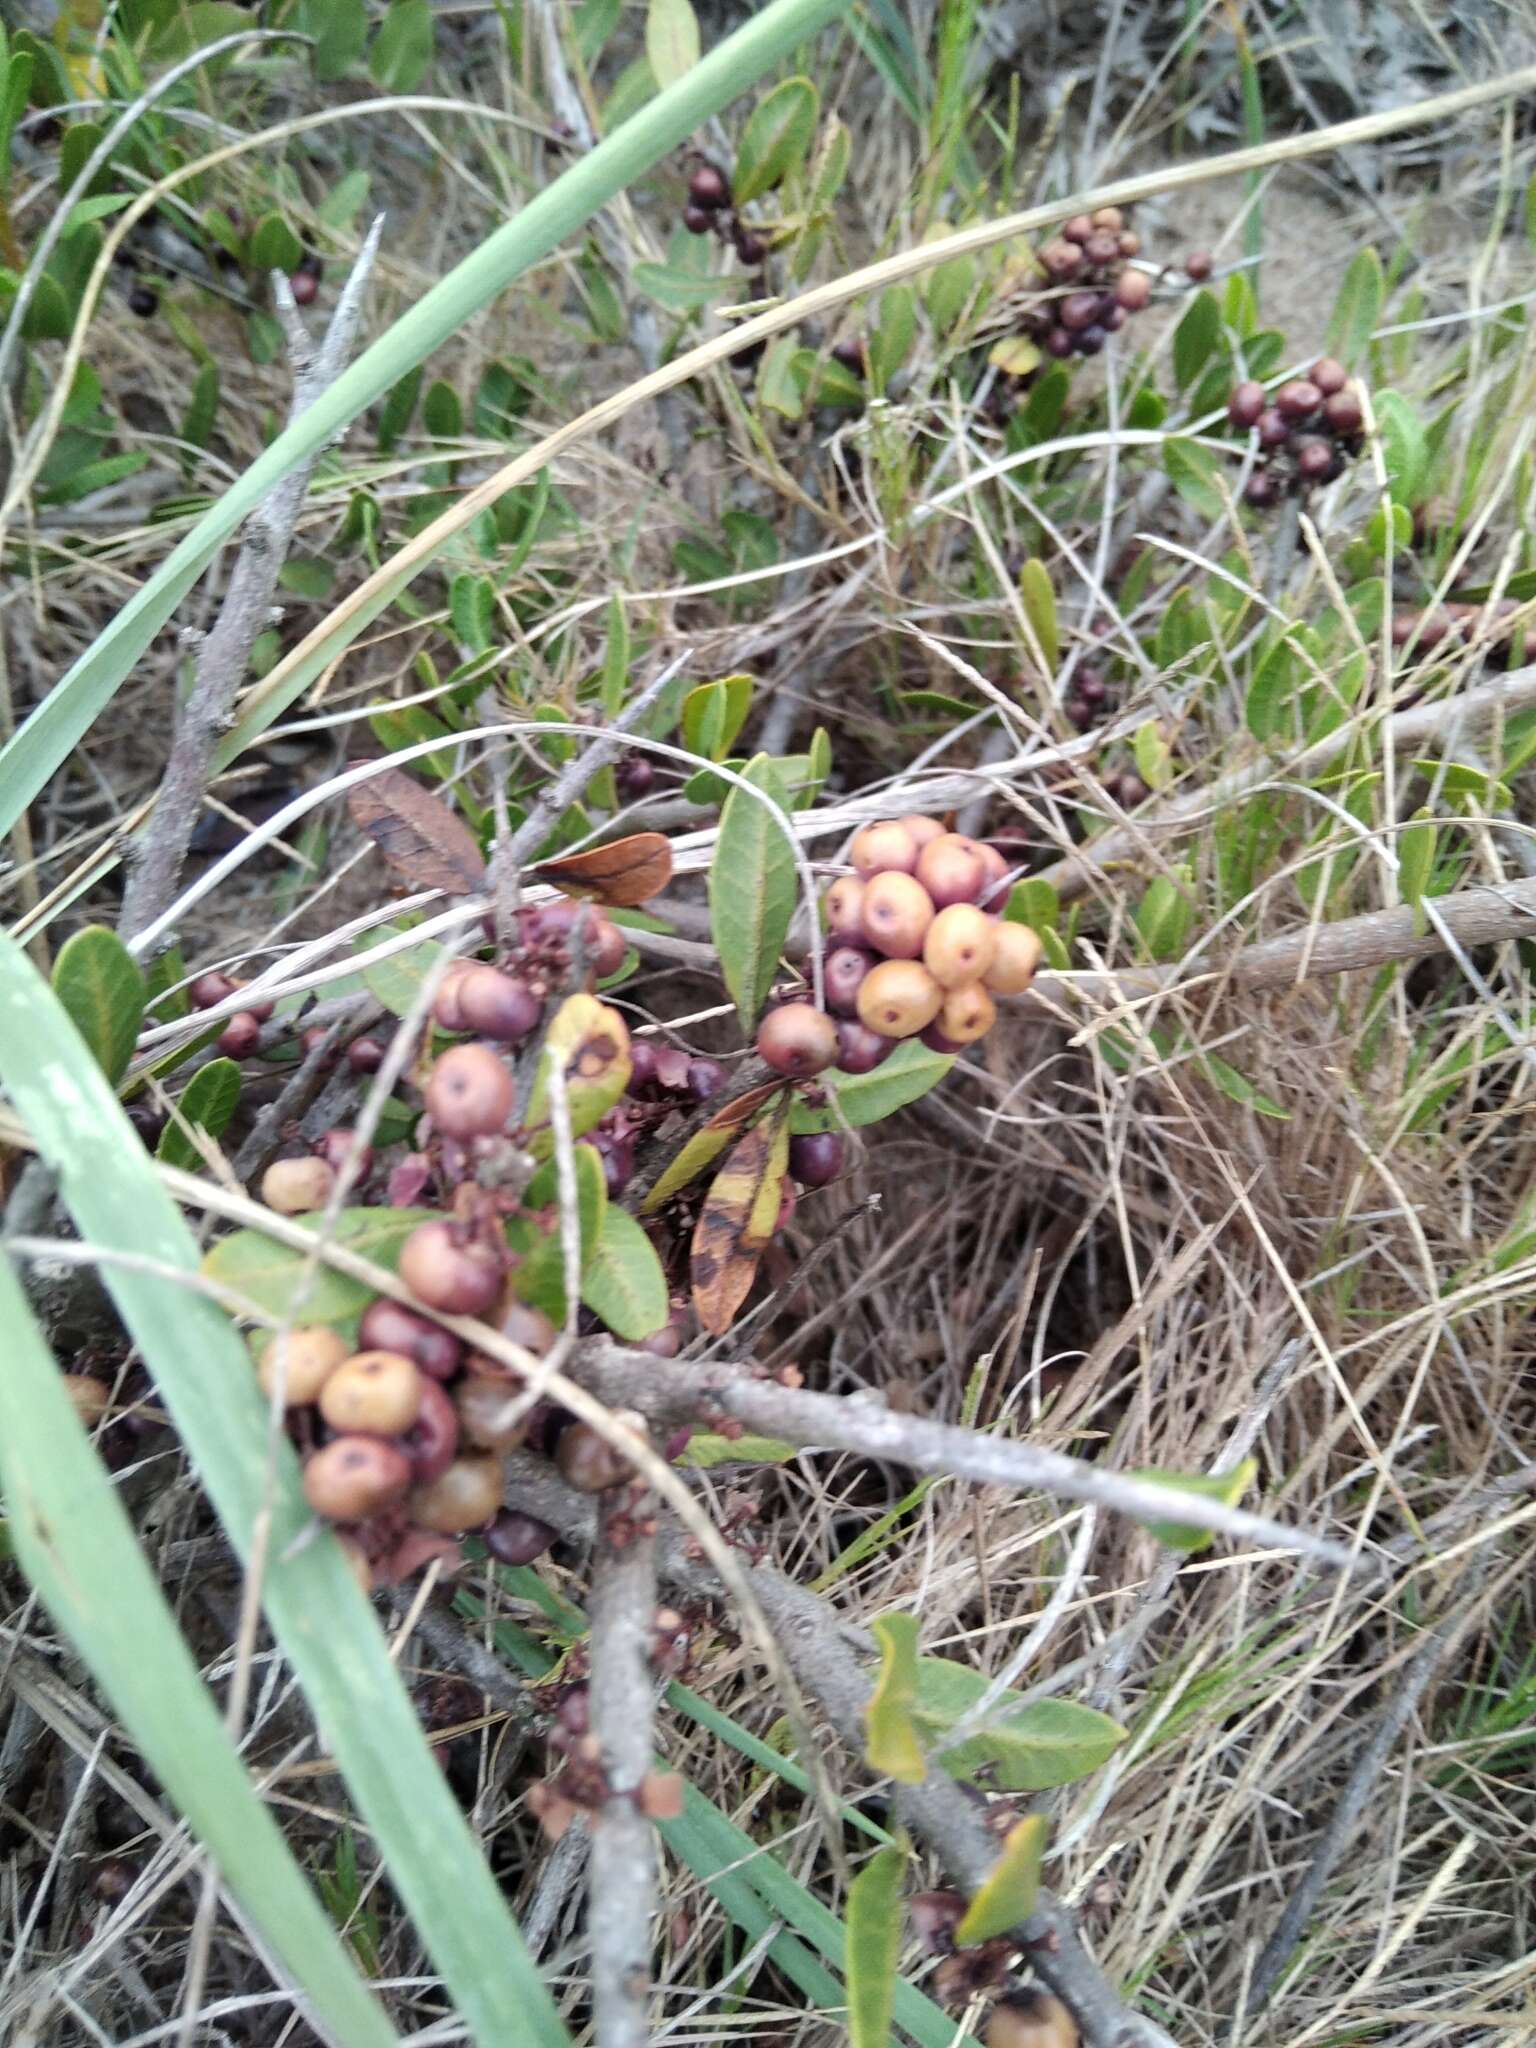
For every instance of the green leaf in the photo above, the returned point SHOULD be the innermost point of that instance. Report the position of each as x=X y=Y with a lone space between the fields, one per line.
x=1033 y=902
x=274 y=245
x=1228 y=1487
x=397 y=409
x=780 y=385
x=397 y=981
x=874 y=1947
x=752 y=883
x=1039 y=601
x=671 y=40
x=402 y=50
x=472 y=609
x=1404 y=446
x=1272 y=690
x=267 y=1273
x=97 y=980
x=1024 y=1747
x=1165 y=915
x=343 y=203
x=321 y=1622
x=15 y=78
x=72 y=1537
x=860 y=1099
x=340 y=30
x=893 y=1747
x=776 y=139
x=1195 y=338
x=705 y=1451
x=1417 y=845
x=714 y=713
x=539 y=1279
x=1357 y=308
x=1012 y=1887
x=442 y=412
x=624 y=1282
x=1238 y=1088
x=1193 y=471
x=202 y=407
x=891 y=341
x=207 y=1104
x=1153 y=757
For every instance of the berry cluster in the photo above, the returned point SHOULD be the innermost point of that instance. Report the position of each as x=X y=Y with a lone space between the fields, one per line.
x=913 y=948
x=1306 y=435
x=1091 y=262
x=710 y=211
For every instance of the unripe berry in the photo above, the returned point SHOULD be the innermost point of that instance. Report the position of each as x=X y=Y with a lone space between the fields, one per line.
x=212 y=988
x=588 y=1463
x=1108 y=217
x=842 y=972
x=374 y=1393
x=465 y=1496
x=240 y=1037
x=1299 y=399
x=898 y=998
x=470 y=1092
x=1328 y=375
x=292 y=1186
x=797 y=1039
x=1133 y=289
x=952 y=869
x=515 y=1538
x=461 y=1279
x=432 y=1441
x=1247 y=403
x=1031 y=2019
x=879 y=849
x=352 y=1477
x=845 y=908
x=960 y=945
x=606 y=947
x=897 y=913
x=1344 y=412
x=306 y=1358
x=968 y=1014
x=496 y=1005
x=860 y=1050
x=390 y=1326
x=996 y=888
x=816 y=1159
x=1015 y=959
x=485 y=1405
x=1130 y=242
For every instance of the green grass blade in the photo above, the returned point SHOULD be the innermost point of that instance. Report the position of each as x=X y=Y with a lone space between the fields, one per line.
x=320 y=1618
x=48 y=737
x=77 y=1547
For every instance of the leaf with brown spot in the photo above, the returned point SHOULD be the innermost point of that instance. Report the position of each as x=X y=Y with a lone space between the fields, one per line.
x=737 y=1221
x=623 y=874
x=417 y=833
x=706 y=1144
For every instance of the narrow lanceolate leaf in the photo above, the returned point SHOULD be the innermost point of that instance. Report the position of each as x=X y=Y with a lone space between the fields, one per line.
x=321 y=1621
x=752 y=889
x=777 y=138
x=1012 y=1887
x=592 y=1041
x=736 y=1223
x=671 y=39
x=857 y=1099
x=623 y=874
x=268 y=1274
x=624 y=1282
x=714 y=714
x=98 y=981
x=417 y=834
x=707 y=1144
x=874 y=1947
x=207 y=1104
x=893 y=1748
x=1227 y=1487
x=1357 y=308
x=76 y=1545
x=1039 y=600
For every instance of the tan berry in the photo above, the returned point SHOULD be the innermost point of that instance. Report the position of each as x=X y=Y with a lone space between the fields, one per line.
x=88 y=1396
x=293 y=1186
x=921 y=829
x=1031 y=2019
x=304 y=1359
x=960 y=945
x=1015 y=961
x=487 y=1410
x=588 y=1462
x=952 y=869
x=879 y=849
x=797 y=1039
x=377 y=1393
x=466 y=1496
x=899 y=998
x=845 y=908
x=459 y=1274
x=469 y=1094
x=897 y=913
x=968 y=1014
x=352 y=1477
x=1108 y=217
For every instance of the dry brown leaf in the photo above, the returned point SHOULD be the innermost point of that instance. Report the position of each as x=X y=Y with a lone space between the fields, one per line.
x=417 y=833
x=737 y=1222
x=623 y=874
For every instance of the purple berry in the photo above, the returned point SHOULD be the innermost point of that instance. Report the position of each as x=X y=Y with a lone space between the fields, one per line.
x=816 y=1160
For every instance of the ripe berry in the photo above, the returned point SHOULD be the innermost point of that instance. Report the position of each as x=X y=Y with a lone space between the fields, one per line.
x=446 y=1013
x=898 y=998
x=642 y=1066
x=816 y=1159
x=88 y=1396
x=751 y=249
x=1061 y=261
x=311 y=1042
x=1102 y=246
x=797 y=1039
x=634 y=777
x=952 y=869
x=1031 y=2019
x=921 y=828
x=470 y=1092
x=465 y=1496
x=968 y=1014
x=705 y=1079
x=1261 y=491
x=496 y=1005
x=515 y=1538
x=240 y=1037
x=390 y=1326
x=1344 y=412
x=306 y=1357
x=292 y=1186
x=698 y=220
x=852 y=354
x=304 y=287
x=352 y=1477
x=461 y=1279
x=1078 y=228
x=485 y=1405
x=960 y=945
x=1313 y=460
x=860 y=1050
x=618 y=1156
x=606 y=947
x=897 y=913
x=432 y=1441
x=1247 y=403
x=1078 y=310
x=878 y=849
x=1198 y=265
x=587 y=1462
x=1133 y=289
x=144 y=301
x=1058 y=342
x=1091 y=340
x=336 y=1147
x=707 y=187
x=365 y=1055
x=1015 y=959
x=1298 y=400
x=1130 y=242
x=211 y=989
x=375 y=1393
x=1328 y=375
x=844 y=969
x=520 y=1323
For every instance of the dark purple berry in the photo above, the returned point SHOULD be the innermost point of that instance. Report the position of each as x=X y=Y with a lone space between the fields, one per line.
x=698 y=220
x=860 y=1050
x=515 y=1538
x=816 y=1160
x=1313 y=460
x=1298 y=400
x=1059 y=341
x=642 y=1065
x=1261 y=490
x=1274 y=429
x=1198 y=265
x=751 y=249
x=1091 y=340
x=708 y=188
x=705 y=1079
x=1344 y=412
x=1246 y=405
x=843 y=973
x=635 y=776
x=144 y=301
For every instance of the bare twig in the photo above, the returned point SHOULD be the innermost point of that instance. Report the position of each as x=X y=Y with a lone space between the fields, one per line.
x=158 y=853
x=622 y=1876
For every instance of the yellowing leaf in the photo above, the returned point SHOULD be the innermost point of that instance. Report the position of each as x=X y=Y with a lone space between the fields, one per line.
x=893 y=1747
x=873 y=1947
x=1009 y=1894
x=1015 y=355
x=592 y=1042
x=671 y=40
x=706 y=1145
x=737 y=1221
